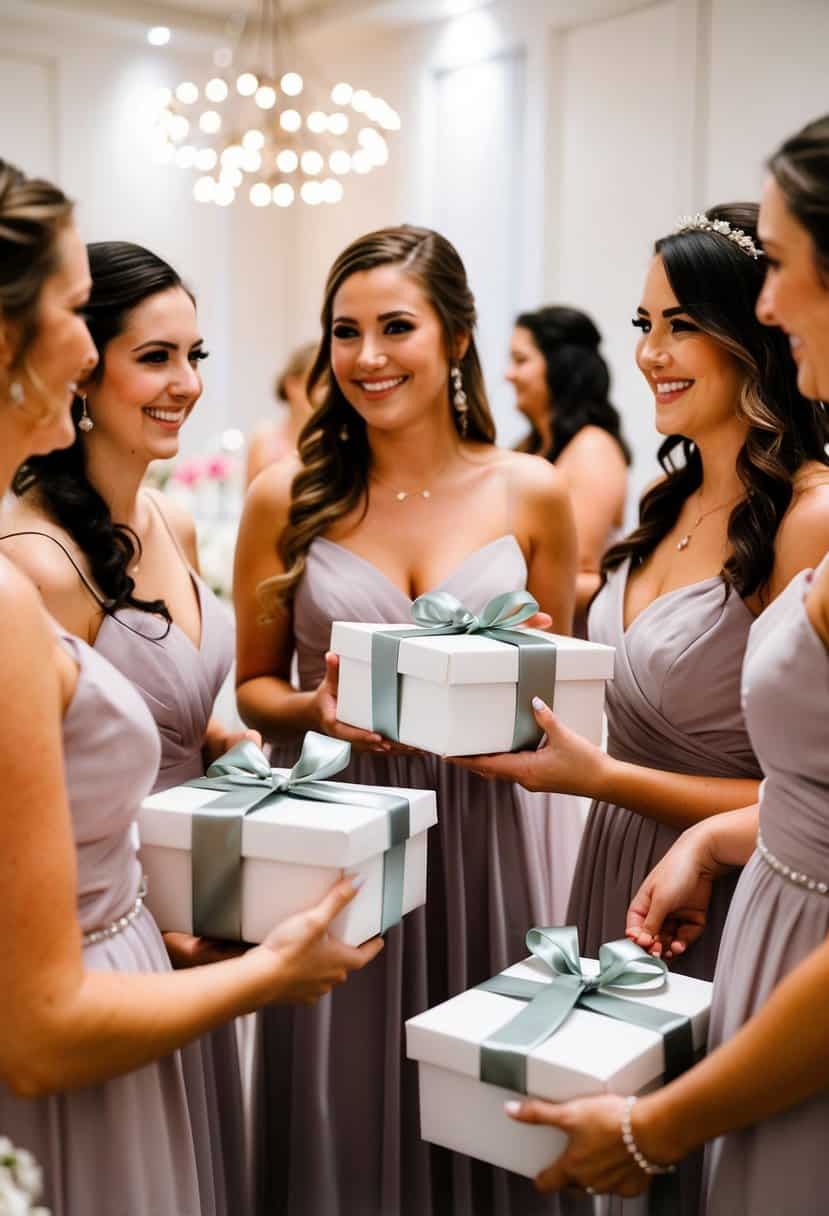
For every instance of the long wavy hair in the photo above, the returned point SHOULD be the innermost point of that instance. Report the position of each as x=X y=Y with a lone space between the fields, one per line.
x=717 y=284
x=333 y=479
x=123 y=276
x=33 y=213
x=578 y=379
x=800 y=166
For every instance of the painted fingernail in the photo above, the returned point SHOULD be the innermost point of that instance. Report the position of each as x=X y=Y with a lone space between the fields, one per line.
x=538 y=703
x=357 y=880
x=512 y=1108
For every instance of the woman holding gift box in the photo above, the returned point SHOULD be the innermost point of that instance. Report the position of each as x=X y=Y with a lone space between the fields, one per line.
x=92 y=1073
x=762 y=1091
x=719 y=538
x=399 y=490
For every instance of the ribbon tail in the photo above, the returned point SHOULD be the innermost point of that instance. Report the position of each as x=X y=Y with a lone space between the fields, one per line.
x=394 y=871
x=504 y=1055
x=536 y=678
x=217 y=875
x=385 y=684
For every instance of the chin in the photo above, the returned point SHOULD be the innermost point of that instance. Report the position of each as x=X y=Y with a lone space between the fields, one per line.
x=807 y=382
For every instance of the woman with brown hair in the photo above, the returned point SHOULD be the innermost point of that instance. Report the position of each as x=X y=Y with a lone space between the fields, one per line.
x=398 y=490
x=274 y=441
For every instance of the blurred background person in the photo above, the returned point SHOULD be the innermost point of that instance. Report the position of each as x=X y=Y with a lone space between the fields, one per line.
x=273 y=440
x=562 y=386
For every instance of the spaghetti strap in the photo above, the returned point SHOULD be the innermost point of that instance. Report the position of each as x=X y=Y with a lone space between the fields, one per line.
x=104 y=604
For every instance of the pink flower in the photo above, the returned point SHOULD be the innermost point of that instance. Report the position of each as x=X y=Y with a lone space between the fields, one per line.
x=191 y=471
x=219 y=467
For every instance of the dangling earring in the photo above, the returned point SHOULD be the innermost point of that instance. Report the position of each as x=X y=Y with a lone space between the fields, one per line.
x=344 y=434
x=459 y=402
x=17 y=393
x=85 y=423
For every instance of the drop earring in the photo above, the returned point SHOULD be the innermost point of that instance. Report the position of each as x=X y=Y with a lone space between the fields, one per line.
x=85 y=423
x=344 y=434
x=459 y=401
x=17 y=393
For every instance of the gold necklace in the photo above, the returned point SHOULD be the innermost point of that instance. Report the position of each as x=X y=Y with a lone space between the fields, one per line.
x=402 y=495
x=684 y=541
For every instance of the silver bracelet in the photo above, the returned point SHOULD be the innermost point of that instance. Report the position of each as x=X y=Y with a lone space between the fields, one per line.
x=647 y=1167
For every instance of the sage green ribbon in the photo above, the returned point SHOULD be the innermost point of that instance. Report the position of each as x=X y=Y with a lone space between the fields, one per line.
x=621 y=964
x=439 y=613
x=248 y=783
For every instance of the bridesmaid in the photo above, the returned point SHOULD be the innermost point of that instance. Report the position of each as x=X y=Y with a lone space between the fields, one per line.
x=274 y=441
x=93 y=1021
x=399 y=490
x=562 y=387
x=720 y=536
x=117 y=566
x=761 y=1097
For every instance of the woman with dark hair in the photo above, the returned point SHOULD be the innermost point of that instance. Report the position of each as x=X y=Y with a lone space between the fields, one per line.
x=761 y=1098
x=398 y=490
x=275 y=440
x=562 y=387
x=165 y=1135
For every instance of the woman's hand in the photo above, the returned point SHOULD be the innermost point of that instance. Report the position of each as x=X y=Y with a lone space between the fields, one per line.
x=218 y=740
x=307 y=962
x=668 y=912
x=188 y=951
x=565 y=763
x=595 y=1156
x=325 y=700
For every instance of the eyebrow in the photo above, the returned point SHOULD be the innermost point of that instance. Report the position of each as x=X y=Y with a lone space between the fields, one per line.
x=166 y=345
x=666 y=312
x=384 y=316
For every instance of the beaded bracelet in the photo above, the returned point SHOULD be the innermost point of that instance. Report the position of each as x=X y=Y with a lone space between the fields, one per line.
x=647 y=1167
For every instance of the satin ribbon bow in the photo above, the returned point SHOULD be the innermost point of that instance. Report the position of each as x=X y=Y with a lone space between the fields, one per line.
x=248 y=783
x=437 y=614
x=622 y=964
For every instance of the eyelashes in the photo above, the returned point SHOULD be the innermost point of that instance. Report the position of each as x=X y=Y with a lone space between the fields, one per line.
x=641 y=323
x=677 y=326
x=162 y=356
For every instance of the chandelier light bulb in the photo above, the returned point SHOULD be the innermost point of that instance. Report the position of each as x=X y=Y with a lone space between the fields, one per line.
x=224 y=194
x=251 y=160
x=246 y=84
x=204 y=190
x=253 y=140
x=187 y=92
x=232 y=156
x=341 y=94
x=287 y=160
x=290 y=120
x=291 y=84
x=332 y=190
x=367 y=136
x=338 y=124
x=339 y=161
x=178 y=126
x=311 y=162
x=186 y=156
x=361 y=161
x=265 y=97
x=376 y=109
x=230 y=176
x=158 y=35
x=392 y=122
x=210 y=122
x=216 y=89
x=361 y=100
x=283 y=194
x=311 y=192
x=317 y=122
x=223 y=57
x=206 y=159
x=260 y=194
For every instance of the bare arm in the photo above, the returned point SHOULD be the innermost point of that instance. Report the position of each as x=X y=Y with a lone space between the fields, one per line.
x=545 y=516
x=60 y=1025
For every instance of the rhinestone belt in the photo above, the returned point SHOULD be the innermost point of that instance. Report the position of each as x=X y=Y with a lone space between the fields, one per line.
x=795 y=876
x=118 y=926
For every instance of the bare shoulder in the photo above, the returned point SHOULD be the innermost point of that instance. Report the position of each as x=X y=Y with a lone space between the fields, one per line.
x=803 y=536
x=177 y=518
x=38 y=546
x=21 y=608
x=593 y=446
x=269 y=495
x=535 y=480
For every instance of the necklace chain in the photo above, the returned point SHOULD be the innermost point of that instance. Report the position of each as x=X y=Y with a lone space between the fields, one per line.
x=402 y=495
x=685 y=540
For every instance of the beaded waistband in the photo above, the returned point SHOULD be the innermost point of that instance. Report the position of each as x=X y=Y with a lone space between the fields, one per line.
x=795 y=876
x=118 y=926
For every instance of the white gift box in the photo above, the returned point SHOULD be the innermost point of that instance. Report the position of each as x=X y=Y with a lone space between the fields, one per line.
x=292 y=853
x=458 y=691
x=589 y=1054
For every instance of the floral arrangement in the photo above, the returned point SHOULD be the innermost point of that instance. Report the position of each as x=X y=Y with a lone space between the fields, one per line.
x=21 y=1181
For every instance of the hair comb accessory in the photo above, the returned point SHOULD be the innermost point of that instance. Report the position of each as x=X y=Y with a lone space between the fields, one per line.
x=702 y=223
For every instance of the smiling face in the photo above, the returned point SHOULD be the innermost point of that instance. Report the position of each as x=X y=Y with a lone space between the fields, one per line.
x=388 y=351
x=695 y=382
x=527 y=373
x=794 y=295
x=62 y=352
x=150 y=379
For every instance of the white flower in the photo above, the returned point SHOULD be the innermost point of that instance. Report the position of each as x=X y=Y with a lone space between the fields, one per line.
x=21 y=1181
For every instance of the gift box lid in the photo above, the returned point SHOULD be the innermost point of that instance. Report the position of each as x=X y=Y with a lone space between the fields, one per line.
x=295 y=830
x=471 y=658
x=589 y=1053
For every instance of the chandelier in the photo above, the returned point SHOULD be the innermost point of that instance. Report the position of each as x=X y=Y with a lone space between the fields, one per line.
x=260 y=129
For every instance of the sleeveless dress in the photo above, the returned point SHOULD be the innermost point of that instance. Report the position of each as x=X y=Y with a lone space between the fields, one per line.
x=125 y=1147
x=336 y=1101
x=779 y=1165
x=179 y=682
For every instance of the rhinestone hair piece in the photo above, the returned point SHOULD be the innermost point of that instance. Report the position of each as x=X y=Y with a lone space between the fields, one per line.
x=722 y=227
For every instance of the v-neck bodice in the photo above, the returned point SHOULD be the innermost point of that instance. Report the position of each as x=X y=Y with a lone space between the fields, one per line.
x=340 y=585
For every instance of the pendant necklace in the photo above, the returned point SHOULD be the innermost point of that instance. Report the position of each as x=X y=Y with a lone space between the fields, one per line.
x=684 y=541
x=402 y=495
